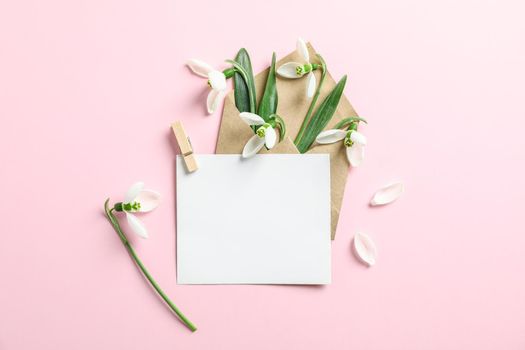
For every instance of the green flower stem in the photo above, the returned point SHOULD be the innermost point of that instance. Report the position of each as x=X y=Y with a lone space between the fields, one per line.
x=349 y=121
x=116 y=226
x=228 y=72
x=314 y=101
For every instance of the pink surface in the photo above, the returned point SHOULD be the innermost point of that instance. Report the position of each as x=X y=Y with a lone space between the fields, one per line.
x=89 y=88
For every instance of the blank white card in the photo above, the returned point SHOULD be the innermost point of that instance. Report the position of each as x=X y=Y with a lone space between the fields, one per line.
x=263 y=220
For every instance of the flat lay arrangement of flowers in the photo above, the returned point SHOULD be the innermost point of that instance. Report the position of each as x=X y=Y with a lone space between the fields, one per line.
x=233 y=175
x=201 y=175
x=268 y=128
x=312 y=131
x=265 y=111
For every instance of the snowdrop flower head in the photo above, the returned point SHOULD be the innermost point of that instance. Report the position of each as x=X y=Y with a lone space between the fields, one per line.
x=295 y=70
x=140 y=200
x=353 y=140
x=265 y=134
x=216 y=81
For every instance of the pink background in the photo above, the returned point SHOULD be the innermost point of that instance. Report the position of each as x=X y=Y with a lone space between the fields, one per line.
x=89 y=88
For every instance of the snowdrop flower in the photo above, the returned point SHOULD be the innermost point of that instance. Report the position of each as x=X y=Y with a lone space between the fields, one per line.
x=353 y=140
x=264 y=135
x=216 y=80
x=138 y=199
x=294 y=70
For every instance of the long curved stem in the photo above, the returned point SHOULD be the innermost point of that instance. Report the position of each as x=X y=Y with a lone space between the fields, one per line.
x=306 y=119
x=116 y=226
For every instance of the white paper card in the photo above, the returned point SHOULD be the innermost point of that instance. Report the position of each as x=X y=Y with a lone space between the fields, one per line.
x=263 y=220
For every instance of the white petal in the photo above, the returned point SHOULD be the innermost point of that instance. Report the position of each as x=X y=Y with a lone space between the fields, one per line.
x=355 y=154
x=133 y=192
x=251 y=118
x=136 y=225
x=365 y=249
x=311 y=84
x=270 y=137
x=253 y=146
x=148 y=200
x=330 y=136
x=303 y=50
x=213 y=100
x=200 y=68
x=388 y=194
x=217 y=80
x=289 y=70
x=357 y=137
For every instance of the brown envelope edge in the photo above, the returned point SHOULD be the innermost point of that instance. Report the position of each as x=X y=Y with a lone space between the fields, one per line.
x=292 y=107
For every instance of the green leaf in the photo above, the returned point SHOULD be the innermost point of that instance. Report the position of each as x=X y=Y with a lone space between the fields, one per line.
x=322 y=116
x=246 y=77
x=269 y=100
x=243 y=89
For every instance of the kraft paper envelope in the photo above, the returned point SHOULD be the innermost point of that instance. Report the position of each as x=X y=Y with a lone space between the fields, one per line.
x=292 y=107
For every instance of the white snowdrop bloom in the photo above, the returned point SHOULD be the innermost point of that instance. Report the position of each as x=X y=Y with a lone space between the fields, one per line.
x=265 y=135
x=294 y=70
x=216 y=80
x=353 y=140
x=138 y=199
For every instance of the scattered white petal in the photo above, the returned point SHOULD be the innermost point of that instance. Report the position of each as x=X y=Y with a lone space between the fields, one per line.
x=148 y=200
x=133 y=192
x=365 y=249
x=270 y=137
x=355 y=154
x=213 y=100
x=251 y=118
x=311 y=85
x=288 y=70
x=387 y=194
x=357 y=137
x=303 y=50
x=200 y=68
x=330 y=136
x=217 y=80
x=253 y=146
x=136 y=225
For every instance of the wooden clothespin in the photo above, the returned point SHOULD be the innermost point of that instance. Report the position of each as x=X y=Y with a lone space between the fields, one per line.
x=185 y=146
